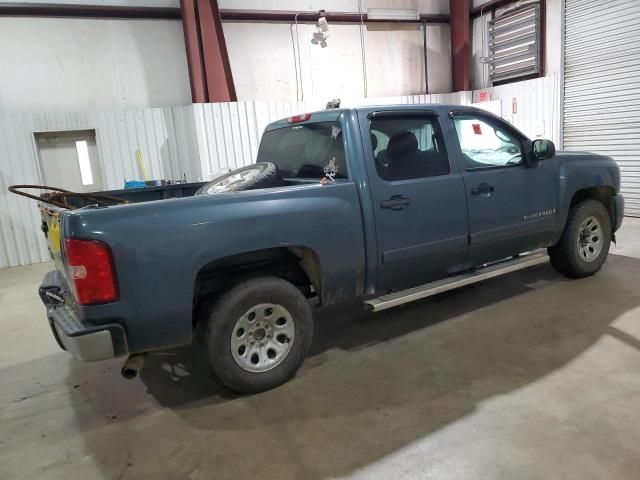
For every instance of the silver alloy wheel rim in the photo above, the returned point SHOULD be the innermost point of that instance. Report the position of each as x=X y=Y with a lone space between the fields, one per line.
x=234 y=179
x=262 y=337
x=590 y=239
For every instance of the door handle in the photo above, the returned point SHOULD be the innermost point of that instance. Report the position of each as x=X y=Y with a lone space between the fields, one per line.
x=396 y=202
x=482 y=188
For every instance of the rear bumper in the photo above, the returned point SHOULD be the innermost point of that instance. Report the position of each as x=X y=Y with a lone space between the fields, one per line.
x=618 y=207
x=85 y=341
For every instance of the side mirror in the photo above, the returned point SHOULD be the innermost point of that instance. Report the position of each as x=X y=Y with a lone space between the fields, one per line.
x=543 y=149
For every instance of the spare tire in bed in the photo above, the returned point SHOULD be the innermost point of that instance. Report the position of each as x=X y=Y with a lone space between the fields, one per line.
x=258 y=175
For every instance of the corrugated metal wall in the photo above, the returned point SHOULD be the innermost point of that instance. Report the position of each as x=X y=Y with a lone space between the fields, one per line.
x=229 y=133
x=601 y=81
x=537 y=106
x=165 y=136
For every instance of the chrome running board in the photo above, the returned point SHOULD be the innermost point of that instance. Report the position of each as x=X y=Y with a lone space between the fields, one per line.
x=483 y=273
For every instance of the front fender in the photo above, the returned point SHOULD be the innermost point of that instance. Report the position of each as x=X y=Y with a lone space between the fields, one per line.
x=583 y=172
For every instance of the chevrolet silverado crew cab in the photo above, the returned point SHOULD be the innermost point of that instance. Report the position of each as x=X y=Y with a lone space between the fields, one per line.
x=384 y=204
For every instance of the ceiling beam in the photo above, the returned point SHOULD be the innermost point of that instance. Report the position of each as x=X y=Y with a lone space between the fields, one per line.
x=335 y=17
x=170 y=13
x=88 y=11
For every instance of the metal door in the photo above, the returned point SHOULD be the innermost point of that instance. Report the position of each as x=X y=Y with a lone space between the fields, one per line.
x=602 y=86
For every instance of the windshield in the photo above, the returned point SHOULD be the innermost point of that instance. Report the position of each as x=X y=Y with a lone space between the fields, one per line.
x=305 y=151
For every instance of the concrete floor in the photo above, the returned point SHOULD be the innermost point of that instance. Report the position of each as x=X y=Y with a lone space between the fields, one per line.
x=527 y=376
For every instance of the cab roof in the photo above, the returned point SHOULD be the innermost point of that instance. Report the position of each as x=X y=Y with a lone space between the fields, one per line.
x=331 y=115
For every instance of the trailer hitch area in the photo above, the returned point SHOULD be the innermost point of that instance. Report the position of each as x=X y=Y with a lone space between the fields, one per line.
x=51 y=296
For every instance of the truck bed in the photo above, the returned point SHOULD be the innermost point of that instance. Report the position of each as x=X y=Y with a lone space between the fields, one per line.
x=160 y=192
x=139 y=195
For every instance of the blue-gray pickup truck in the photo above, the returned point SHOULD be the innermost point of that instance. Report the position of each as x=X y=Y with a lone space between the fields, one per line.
x=383 y=204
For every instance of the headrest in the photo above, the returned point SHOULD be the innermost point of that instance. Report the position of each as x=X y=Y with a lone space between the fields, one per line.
x=374 y=142
x=402 y=144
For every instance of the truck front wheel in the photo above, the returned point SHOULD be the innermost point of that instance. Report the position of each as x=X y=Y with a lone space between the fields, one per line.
x=585 y=241
x=258 y=334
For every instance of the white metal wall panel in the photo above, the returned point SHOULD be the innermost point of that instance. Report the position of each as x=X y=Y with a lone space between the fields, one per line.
x=165 y=136
x=537 y=106
x=602 y=86
x=229 y=133
x=20 y=245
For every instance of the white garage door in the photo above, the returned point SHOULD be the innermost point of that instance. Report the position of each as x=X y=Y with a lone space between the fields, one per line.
x=602 y=85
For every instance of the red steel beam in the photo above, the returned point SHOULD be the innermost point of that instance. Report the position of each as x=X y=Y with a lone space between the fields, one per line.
x=87 y=11
x=334 y=17
x=17 y=9
x=460 y=12
x=217 y=69
x=192 y=42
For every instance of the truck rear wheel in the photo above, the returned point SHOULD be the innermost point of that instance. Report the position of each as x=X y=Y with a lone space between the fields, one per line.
x=258 y=334
x=585 y=241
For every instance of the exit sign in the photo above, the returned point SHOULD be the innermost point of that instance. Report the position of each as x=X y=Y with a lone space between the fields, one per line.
x=484 y=96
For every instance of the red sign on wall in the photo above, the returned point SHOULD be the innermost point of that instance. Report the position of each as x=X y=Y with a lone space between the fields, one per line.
x=484 y=96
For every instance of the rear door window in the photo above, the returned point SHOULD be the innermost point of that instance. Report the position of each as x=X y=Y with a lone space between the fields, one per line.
x=408 y=147
x=305 y=150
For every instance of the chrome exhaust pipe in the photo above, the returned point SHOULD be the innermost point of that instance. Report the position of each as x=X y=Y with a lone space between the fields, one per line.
x=132 y=366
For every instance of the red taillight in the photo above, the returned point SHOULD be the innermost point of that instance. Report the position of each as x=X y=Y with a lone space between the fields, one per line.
x=299 y=118
x=92 y=271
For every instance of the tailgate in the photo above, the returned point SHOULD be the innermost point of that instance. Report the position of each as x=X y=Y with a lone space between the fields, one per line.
x=52 y=228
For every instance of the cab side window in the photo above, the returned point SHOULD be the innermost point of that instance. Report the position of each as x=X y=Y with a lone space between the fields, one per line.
x=408 y=147
x=485 y=145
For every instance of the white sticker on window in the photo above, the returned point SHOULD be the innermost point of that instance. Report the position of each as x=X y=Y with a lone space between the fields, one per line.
x=331 y=169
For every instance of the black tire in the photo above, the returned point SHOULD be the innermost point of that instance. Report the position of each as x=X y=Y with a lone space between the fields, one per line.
x=234 y=305
x=267 y=176
x=566 y=256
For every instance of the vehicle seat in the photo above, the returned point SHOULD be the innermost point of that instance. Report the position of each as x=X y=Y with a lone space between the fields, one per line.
x=433 y=163
x=402 y=155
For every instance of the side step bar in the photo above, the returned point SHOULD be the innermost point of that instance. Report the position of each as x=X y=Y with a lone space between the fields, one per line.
x=484 y=273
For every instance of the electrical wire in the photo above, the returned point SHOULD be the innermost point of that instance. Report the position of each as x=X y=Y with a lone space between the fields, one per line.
x=299 y=59
x=424 y=51
x=362 y=49
x=295 y=62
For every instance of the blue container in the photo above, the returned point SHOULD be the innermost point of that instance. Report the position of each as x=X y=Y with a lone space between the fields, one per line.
x=134 y=184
